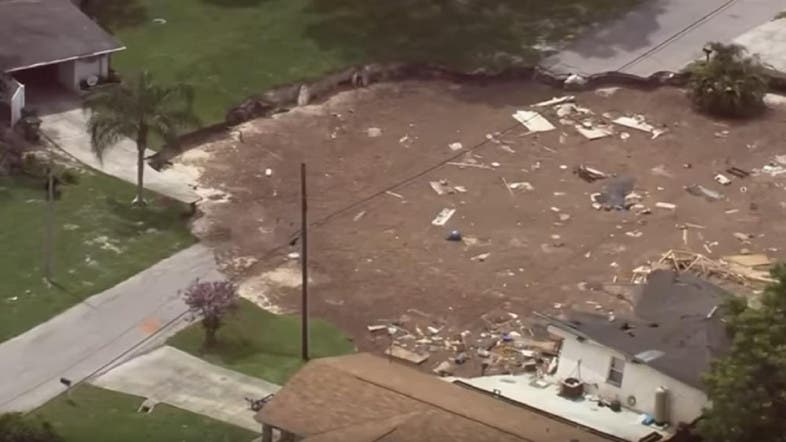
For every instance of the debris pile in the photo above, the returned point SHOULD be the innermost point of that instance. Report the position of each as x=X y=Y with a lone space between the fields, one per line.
x=743 y=269
x=503 y=344
x=582 y=119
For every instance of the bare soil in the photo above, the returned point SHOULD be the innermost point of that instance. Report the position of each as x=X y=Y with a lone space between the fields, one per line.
x=374 y=254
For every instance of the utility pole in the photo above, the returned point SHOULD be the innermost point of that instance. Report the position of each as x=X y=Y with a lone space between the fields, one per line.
x=304 y=262
x=49 y=234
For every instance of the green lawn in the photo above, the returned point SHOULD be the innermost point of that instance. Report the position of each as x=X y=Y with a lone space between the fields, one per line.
x=94 y=414
x=260 y=344
x=232 y=49
x=99 y=241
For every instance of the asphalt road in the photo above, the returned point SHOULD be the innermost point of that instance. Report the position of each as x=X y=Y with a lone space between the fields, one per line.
x=662 y=35
x=103 y=331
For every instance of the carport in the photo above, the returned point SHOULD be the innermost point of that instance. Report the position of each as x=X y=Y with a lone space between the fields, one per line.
x=46 y=46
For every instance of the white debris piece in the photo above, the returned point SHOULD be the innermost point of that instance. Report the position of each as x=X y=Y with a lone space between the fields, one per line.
x=455 y=146
x=606 y=91
x=373 y=132
x=638 y=122
x=533 y=121
x=523 y=185
x=663 y=205
x=268 y=172
x=721 y=179
x=774 y=100
x=594 y=133
x=575 y=80
x=482 y=257
x=555 y=100
x=443 y=216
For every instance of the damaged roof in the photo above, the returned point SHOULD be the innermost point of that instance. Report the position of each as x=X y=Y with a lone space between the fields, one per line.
x=677 y=327
x=40 y=32
x=362 y=397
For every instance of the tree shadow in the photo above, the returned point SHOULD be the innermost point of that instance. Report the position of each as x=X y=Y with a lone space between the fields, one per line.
x=469 y=33
x=235 y=3
x=116 y=14
x=134 y=221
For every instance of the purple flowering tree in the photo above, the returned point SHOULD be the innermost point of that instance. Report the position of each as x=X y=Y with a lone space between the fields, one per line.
x=211 y=301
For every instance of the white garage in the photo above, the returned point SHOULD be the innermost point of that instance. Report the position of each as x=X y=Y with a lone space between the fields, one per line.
x=45 y=45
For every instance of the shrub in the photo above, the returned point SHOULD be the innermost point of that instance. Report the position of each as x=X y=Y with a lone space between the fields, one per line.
x=730 y=83
x=15 y=427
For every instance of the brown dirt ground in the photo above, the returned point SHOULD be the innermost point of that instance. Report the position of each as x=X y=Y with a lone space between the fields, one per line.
x=393 y=261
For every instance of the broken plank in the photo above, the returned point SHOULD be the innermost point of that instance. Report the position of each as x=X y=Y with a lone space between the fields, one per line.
x=399 y=352
x=533 y=121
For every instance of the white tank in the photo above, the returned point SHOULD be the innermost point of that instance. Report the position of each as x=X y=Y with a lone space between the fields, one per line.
x=661 y=405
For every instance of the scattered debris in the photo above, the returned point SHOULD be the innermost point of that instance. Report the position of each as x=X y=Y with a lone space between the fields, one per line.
x=594 y=133
x=638 y=122
x=533 y=121
x=589 y=174
x=373 y=132
x=575 y=80
x=480 y=258
x=360 y=214
x=555 y=101
x=773 y=169
x=521 y=185
x=441 y=187
x=455 y=146
x=704 y=267
x=606 y=91
x=460 y=189
x=376 y=328
x=397 y=195
x=268 y=172
x=664 y=205
x=736 y=171
x=722 y=134
x=465 y=164
x=614 y=193
x=399 y=352
x=721 y=179
x=744 y=237
x=443 y=216
x=445 y=368
x=709 y=195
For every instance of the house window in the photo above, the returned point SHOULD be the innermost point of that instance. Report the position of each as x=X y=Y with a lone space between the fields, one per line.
x=616 y=370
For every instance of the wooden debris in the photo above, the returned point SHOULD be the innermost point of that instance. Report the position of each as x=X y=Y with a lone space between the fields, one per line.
x=399 y=352
x=443 y=216
x=685 y=261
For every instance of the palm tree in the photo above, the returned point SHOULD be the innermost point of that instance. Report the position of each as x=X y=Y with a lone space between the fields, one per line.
x=138 y=109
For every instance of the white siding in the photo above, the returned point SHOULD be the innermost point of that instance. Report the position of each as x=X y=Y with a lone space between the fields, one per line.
x=71 y=73
x=589 y=361
x=65 y=74
x=17 y=101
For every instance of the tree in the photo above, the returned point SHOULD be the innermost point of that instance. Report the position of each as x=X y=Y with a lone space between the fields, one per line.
x=140 y=110
x=212 y=301
x=15 y=427
x=729 y=82
x=747 y=388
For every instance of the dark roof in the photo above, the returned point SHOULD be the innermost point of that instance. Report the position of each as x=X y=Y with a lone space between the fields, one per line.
x=677 y=328
x=366 y=398
x=37 y=32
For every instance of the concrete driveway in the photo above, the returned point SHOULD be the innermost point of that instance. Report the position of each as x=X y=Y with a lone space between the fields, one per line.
x=171 y=376
x=64 y=123
x=662 y=35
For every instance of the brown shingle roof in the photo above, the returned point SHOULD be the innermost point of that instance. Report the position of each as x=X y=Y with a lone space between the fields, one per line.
x=365 y=397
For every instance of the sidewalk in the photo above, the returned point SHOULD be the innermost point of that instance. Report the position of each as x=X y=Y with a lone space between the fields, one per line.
x=102 y=331
x=176 y=378
x=662 y=35
x=67 y=127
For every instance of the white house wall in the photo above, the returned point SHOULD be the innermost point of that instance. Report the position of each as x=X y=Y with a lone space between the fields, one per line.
x=72 y=73
x=17 y=101
x=589 y=361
